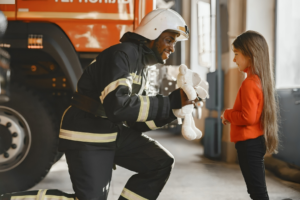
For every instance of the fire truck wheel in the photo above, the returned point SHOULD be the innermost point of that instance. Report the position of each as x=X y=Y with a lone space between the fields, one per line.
x=28 y=140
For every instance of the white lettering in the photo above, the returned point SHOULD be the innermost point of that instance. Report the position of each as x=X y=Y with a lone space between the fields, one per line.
x=93 y=1
x=112 y=1
x=65 y=1
x=123 y=1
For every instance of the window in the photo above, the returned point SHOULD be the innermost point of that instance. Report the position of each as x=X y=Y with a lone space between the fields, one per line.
x=204 y=34
x=287 y=44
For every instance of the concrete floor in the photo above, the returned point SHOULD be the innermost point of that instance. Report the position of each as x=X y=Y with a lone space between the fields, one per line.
x=194 y=177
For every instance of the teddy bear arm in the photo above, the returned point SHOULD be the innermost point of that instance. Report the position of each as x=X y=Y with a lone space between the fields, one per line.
x=202 y=93
x=189 y=91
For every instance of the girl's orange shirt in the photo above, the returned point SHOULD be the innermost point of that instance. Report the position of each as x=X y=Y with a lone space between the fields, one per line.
x=246 y=112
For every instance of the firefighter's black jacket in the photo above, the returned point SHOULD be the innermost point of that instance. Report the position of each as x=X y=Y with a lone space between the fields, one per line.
x=117 y=79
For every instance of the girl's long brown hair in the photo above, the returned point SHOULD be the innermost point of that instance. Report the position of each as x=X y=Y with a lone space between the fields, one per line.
x=253 y=45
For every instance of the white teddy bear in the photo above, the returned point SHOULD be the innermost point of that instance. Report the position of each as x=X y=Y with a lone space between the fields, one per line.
x=193 y=86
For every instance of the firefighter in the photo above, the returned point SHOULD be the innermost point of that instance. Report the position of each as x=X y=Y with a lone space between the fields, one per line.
x=110 y=110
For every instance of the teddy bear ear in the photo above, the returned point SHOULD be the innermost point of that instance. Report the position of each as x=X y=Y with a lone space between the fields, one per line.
x=182 y=69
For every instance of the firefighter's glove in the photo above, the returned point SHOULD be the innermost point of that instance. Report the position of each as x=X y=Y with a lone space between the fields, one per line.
x=185 y=101
x=178 y=99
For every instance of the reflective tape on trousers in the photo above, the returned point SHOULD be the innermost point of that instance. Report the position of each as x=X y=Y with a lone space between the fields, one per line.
x=41 y=195
x=131 y=195
x=46 y=197
x=87 y=137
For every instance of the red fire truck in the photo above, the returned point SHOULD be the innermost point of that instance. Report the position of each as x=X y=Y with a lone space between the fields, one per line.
x=50 y=42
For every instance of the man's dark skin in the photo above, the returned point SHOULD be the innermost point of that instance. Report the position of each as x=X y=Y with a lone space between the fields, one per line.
x=164 y=45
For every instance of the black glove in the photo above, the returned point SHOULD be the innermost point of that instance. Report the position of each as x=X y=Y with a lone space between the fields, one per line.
x=178 y=99
x=175 y=99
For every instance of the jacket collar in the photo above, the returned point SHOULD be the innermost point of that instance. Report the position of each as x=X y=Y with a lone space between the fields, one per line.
x=148 y=56
x=248 y=71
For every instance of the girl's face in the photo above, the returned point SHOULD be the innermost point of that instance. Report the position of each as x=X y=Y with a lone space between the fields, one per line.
x=242 y=61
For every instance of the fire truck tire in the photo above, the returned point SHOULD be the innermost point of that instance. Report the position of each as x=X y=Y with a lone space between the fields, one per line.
x=38 y=131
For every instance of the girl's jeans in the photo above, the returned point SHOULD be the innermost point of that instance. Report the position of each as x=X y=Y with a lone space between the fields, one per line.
x=251 y=159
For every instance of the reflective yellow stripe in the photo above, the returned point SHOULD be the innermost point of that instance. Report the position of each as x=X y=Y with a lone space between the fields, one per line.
x=87 y=137
x=41 y=195
x=64 y=115
x=136 y=78
x=144 y=109
x=45 y=197
x=131 y=195
x=151 y=125
x=133 y=75
x=31 y=197
x=75 y=15
x=50 y=197
x=112 y=86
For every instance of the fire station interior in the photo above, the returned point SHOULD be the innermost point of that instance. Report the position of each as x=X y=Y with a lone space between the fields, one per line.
x=205 y=168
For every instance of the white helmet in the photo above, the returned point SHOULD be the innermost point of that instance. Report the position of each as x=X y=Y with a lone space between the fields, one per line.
x=160 y=20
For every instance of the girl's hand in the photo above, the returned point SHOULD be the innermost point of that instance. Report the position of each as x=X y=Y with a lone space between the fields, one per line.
x=224 y=121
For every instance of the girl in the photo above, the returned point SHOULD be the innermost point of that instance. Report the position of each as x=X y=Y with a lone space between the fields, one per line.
x=253 y=117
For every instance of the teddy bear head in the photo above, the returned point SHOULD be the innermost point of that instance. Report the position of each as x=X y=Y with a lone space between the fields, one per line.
x=187 y=76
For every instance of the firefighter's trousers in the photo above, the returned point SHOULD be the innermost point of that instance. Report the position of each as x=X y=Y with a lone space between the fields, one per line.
x=91 y=171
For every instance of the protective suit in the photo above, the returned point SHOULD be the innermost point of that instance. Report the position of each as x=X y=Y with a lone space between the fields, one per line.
x=116 y=80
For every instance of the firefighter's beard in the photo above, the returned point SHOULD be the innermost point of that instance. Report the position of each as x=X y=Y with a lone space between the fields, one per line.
x=157 y=54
